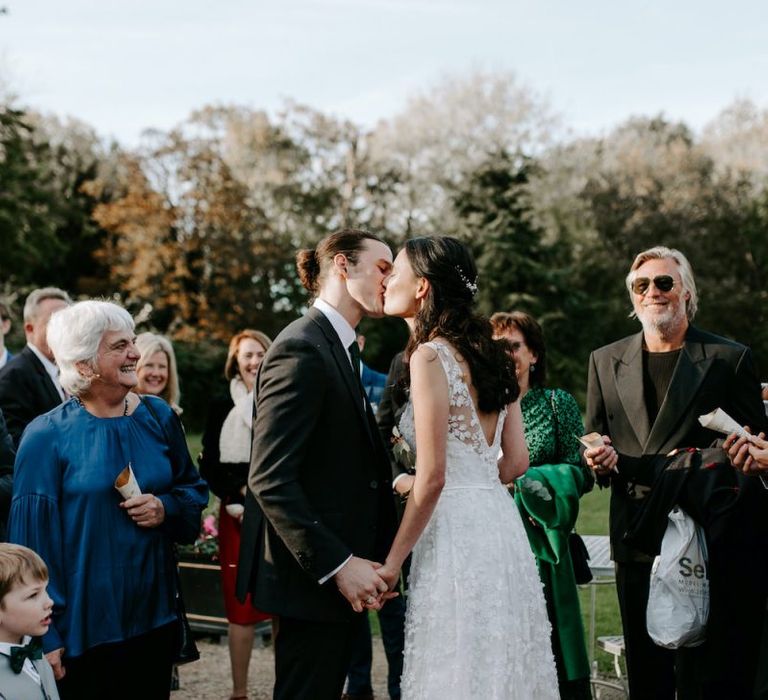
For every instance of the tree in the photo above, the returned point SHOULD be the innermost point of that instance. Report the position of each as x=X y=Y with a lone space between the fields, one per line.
x=28 y=218
x=207 y=220
x=737 y=141
x=140 y=250
x=494 y=220
x=46 y=232
x=76 y=155
x=519 y=268
x=420 y=157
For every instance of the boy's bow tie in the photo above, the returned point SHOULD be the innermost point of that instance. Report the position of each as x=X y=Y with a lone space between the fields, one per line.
x=32 y=651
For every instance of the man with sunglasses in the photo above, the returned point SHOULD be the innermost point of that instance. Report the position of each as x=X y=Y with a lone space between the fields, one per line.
x=644 y=395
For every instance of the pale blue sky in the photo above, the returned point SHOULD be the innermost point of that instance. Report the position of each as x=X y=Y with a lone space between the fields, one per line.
x=126 y=65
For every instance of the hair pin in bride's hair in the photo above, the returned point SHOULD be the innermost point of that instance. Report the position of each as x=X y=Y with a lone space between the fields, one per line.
x=471 y=286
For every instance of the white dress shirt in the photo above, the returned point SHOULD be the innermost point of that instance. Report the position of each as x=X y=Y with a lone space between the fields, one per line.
x=346 y=333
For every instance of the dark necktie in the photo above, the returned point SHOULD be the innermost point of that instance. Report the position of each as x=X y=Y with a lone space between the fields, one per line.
x=32 y=651
x=354 y=353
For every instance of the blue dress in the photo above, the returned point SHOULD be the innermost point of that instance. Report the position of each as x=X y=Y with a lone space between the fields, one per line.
x=110 y=579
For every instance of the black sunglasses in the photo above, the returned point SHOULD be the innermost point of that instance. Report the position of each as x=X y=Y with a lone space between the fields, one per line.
x=664 y=283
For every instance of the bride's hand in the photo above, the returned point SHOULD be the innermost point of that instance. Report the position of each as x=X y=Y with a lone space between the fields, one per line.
x=391 y=576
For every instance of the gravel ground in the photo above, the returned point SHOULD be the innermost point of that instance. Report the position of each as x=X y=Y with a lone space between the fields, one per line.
x=208 y=678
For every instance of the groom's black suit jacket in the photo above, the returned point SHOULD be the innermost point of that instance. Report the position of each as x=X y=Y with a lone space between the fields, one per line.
x=26 y=392
x=320 y=480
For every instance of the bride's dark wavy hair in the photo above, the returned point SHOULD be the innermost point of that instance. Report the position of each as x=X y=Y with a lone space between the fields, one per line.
x=448 y=312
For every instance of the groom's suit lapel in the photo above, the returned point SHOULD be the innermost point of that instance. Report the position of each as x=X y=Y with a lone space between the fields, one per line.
x=341 y=357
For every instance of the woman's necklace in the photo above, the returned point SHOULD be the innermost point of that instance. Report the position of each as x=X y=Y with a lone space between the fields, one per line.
x=82 y=405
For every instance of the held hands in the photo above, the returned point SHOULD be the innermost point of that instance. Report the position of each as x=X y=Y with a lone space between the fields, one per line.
x=359 y=582
x=749 y=454
x=145 y=510
x=391 y=575
x=54 y=658
x=603 y=459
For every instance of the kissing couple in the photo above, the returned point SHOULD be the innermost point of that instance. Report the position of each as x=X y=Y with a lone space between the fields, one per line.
x=320 y=540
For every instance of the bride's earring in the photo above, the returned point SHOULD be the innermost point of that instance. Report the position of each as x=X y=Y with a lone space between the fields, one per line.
x=532 y=367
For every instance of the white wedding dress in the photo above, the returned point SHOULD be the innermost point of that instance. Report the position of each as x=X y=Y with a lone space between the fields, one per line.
x=476 y=624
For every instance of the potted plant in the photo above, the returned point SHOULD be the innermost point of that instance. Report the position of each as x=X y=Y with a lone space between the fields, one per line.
x=201 y=579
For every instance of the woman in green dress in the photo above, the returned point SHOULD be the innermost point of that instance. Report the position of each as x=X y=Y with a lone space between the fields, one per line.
x=548 y=494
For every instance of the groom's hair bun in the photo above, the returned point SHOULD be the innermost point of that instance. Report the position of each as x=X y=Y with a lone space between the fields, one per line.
x=308 y=268
x=312 y=265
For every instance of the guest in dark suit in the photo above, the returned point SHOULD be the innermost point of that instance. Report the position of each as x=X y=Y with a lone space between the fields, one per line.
x=319 y=473
x=393 y=401
x=5 y=326
x=29 y=384
x=7 y=457
x=644 y=396
x=392 y=615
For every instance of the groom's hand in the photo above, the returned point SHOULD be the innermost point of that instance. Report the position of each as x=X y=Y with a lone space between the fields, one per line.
x=359 y=583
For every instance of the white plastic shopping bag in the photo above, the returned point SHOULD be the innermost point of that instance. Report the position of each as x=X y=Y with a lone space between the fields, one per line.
x=678 y=601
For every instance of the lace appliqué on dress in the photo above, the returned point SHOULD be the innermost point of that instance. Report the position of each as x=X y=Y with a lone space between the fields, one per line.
x=476 y=623
x=463 y=421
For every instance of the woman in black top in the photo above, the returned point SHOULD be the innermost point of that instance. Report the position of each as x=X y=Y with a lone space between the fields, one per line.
x=224 y=464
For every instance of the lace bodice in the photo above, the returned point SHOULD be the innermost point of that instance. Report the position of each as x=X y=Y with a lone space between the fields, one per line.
x=466 y=440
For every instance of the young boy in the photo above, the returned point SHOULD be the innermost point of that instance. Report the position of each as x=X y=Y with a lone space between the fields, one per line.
x=25 y=612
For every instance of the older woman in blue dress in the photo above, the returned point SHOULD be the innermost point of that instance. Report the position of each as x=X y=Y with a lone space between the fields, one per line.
x=111 y=561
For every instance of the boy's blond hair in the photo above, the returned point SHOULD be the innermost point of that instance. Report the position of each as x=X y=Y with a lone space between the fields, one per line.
x=19 y=565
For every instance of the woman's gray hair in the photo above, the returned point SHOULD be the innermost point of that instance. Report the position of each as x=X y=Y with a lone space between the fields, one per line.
x=150 y=343
x=74 y=335
x=661 y=252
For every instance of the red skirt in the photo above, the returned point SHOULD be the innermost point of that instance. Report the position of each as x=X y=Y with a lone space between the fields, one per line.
x=229 y=552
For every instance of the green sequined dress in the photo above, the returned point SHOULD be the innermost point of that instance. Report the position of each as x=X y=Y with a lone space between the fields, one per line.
x=550 y=434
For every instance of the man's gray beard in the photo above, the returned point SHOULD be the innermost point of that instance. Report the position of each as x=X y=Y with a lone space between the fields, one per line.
x=664 y=327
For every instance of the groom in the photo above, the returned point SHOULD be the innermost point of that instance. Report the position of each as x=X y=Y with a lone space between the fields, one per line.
x=323 y=511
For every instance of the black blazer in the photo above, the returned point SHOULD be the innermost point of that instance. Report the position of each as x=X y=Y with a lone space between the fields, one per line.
x=224 y=479
x=26 y=392
x=712 y=372
x=7 y=458
x=391 y=408
x=319 y=483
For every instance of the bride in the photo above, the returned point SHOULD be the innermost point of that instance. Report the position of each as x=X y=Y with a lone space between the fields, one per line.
x=476 y=625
